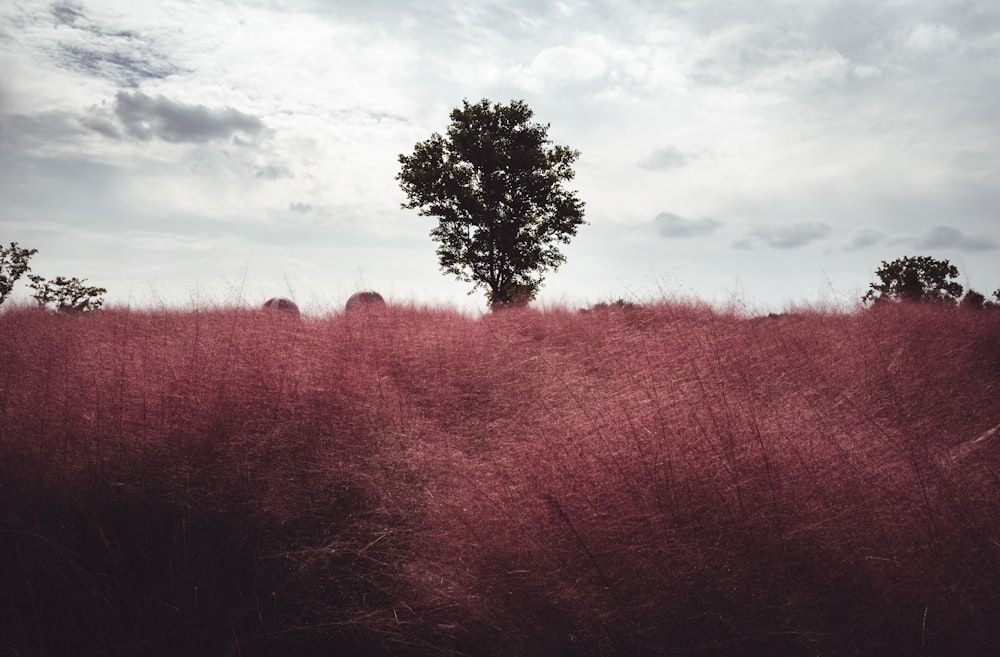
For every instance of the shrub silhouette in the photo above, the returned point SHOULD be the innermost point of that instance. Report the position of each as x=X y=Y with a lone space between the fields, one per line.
x=66 y=295
x=915 y=279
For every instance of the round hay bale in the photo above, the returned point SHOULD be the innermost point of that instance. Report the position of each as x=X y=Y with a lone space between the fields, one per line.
x=282 y=305
x=365 y=299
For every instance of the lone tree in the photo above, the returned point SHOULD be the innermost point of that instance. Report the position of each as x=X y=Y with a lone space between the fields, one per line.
x=13 y=265
x=495 y=183
x=916 y=279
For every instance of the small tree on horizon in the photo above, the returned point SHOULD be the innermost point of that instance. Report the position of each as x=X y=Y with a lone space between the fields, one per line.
x=13 y=265
x=67 y=295
x=915 y=279
x=973 y=300
x=495 y=183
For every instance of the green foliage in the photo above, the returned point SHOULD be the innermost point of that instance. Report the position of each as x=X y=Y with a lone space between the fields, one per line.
x=517 y=296
x=619 y=304
x=495 y=183
x=974 y=301
x=915 y=279
x=13 y=265
x=66 y=294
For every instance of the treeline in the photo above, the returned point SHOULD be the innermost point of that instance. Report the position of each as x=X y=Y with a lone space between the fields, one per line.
x=915 y=279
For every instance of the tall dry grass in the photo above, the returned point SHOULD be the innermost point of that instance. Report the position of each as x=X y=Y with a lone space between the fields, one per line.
x=659 y=480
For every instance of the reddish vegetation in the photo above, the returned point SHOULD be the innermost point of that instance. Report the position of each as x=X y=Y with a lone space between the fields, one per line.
x=664 y=480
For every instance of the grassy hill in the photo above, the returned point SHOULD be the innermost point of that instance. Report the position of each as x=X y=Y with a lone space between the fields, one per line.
x=658 y=480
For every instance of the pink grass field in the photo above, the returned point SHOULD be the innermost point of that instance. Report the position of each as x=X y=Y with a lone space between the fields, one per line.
x=659 y=480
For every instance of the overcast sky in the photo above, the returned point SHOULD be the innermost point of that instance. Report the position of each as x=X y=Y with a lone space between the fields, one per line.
x=772 y=153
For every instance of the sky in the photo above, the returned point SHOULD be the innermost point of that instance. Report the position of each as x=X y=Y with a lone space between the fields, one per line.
x=769 y=154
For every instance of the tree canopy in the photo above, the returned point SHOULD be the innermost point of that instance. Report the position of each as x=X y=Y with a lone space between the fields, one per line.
x=66 y=295
x=13 y=265
x=496 y=184
x=915 y=279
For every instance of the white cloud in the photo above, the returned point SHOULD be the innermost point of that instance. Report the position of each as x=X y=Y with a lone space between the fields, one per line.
x=942 y=237
x=864 y=237
x=866 y=72
x=671 y=225
x=560 y=65
x=272 y=172
x=665 y=158
x=931 y=38
x=791 y=236
x=804 y=69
